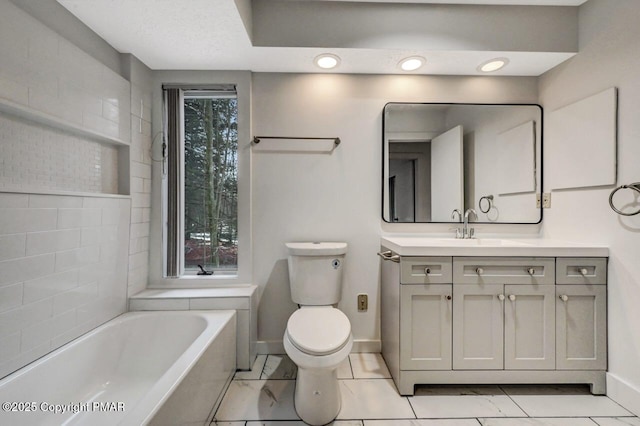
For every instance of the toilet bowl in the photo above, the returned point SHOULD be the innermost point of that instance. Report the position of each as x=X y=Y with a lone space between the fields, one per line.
x=318 y=339
x=318 y=336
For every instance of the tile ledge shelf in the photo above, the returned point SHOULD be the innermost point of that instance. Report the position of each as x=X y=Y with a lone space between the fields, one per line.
x=40 y=191
x=30 y=114
x=244 y=290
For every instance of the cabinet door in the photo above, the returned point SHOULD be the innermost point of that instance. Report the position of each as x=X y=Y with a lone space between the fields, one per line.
x=581 y=327
x=425 y=327
x=529 y=327
x=478 y=327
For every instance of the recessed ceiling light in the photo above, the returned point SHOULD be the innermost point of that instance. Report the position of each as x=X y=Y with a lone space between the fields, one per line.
x=493 y=65
x=327 y=61
x=412 y=63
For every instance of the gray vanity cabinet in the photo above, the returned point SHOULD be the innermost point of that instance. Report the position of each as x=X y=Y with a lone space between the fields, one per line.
x=425 y=327
x=457 y=320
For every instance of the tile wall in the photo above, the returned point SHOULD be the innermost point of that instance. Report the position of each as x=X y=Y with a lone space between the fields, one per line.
x=140 y=188
x=64 y=257
x=62 y=270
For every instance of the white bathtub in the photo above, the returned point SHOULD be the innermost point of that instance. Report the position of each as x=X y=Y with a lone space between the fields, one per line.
x=140 y=368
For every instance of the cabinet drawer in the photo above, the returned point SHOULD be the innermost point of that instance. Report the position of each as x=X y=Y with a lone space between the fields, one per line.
x=581 y=270
x=425 y=270
x=500 y=270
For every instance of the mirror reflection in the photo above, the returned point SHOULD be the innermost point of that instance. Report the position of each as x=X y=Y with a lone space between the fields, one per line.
x=439 y=158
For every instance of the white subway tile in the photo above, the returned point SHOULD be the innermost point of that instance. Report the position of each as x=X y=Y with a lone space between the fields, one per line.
x=141 y=200
x=49 y=286
x=76 y=258
x=26 y=268
x=90 y=236
x=79 y=218
x=110 y=216
x=138 y=245
x=146 y=215
x=18 y=220
x=54 y=201
x=35 y=335
x=138 y=260
x=139 y=230
x=9 y=347
x=14 y=91
x=23 y=316
x=62 y=323
x=75 y=297
x=136 y=215
x=9 y=200
x=52 y=241
x=12 y=246
x=10 y=297
x=137 y=184
x=110 y=112
x=140 y=170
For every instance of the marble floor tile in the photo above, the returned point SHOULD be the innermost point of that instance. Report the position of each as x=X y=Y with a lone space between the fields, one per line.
x=540 y=421
x=372 y=399
x=617 y=421
x=255 y=372
x=569 y=406
x=464 y=406
x=258 y=400
x=458 y=390
x=423 y=422
x=369 y=366
x=279 y=367
x=344 y=369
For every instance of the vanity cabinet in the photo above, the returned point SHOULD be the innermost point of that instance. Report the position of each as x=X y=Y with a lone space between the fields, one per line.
x=457 y=320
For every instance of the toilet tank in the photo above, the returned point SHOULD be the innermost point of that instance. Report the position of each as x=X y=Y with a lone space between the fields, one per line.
x=315 y=272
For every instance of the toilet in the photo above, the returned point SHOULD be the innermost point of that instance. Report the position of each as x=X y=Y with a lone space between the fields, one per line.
x=318 y=335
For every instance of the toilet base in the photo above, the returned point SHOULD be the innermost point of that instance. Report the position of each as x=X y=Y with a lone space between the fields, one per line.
x=317 y=395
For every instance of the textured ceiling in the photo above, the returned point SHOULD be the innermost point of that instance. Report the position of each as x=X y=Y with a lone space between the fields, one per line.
x=211 y=35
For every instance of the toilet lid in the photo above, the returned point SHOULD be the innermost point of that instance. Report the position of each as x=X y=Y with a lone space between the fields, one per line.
x=318 y=331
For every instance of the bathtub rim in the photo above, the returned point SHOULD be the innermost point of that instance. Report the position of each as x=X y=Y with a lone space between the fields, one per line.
x=142 y=412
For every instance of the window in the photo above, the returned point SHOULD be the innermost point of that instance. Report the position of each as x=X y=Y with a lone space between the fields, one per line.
x=202 y=191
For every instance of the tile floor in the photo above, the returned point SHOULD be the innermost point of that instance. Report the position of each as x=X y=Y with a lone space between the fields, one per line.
x=264 y=396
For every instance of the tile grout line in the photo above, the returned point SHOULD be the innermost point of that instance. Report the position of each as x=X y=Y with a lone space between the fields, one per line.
x=517 y=405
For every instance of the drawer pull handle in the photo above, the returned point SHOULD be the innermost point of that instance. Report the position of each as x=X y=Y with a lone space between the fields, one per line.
x=388 y=255
x=479 y=271
x=512 y=297
x=427 y=271
x=531 y=271
x=448 y=297
x=583 y=271
x=564 y=297
x=501 y=297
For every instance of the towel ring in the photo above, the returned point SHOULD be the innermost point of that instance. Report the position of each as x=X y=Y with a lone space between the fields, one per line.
x=634 y=186
x=489 y=200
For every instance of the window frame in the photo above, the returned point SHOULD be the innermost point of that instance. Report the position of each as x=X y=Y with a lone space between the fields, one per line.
x=158 y=231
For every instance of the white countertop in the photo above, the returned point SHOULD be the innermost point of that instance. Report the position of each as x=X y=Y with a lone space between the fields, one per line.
x=436 y=246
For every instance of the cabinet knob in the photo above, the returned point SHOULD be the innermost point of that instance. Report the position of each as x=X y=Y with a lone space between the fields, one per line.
x=564 y=297
x=427 y=271
x=583 y=271
x=512 y=297
x=479 y=271
x=531 y=271
x=448 y=297
x=501 y=297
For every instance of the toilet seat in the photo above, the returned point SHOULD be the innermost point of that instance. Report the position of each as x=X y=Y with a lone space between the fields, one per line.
x=318 y=330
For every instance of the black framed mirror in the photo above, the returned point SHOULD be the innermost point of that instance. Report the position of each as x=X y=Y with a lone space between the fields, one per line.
x=439 y=158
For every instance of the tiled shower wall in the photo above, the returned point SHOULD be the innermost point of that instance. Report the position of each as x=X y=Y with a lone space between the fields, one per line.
x=141 y=139
x=64 y=258
x=33 y=157
x=63 y=270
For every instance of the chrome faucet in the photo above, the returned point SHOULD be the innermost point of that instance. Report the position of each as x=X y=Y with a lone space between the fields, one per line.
x=453 y=216
x=466 y=231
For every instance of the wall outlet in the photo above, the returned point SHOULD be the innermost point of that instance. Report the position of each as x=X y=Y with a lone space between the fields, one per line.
x=363 y=302
x=546 y=200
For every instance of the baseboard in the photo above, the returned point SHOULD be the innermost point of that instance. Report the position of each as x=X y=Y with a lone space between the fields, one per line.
x=623 y=393
x=359 y=346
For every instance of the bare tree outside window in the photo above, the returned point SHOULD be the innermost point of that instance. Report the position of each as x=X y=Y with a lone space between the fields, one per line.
x=211 y=184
